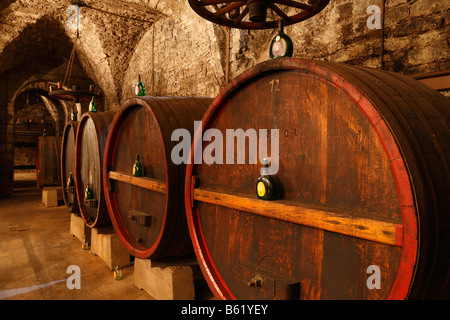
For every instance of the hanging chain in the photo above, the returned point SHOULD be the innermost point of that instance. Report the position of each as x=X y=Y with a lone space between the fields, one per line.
x=71 y=60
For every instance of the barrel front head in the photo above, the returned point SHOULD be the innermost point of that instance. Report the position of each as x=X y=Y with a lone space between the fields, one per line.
x=89 y=149
x=147 y=211
x=346 y=221
x=68 y=166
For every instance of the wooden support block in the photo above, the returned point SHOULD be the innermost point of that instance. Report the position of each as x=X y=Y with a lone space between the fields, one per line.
x=51 y=196
x=164 y=283
x=79 y=229
x=106 y=244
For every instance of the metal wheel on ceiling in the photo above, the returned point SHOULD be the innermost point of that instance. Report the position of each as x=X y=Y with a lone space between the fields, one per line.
x=257 y=14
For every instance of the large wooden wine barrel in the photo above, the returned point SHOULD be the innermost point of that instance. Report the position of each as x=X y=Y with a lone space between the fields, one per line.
x=68 y=165
x=47 y=162
x=364 y=186
x=89 y=149
x=148 y=212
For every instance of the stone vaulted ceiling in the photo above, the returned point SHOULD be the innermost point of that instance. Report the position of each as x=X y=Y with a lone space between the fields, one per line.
x=109 y=31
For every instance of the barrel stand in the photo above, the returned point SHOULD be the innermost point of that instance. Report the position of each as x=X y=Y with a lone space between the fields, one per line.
x=165 y=282
x=106 y=245
x=79 y=229
x=51 y=195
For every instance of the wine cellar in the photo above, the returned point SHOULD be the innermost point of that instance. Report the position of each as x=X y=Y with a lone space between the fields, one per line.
x=207 y=150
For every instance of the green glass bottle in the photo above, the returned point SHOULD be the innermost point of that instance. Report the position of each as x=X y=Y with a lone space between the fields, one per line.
x=265 y=185
x=139 y=89
x=281 y=46
x=92 y=105
x=137 y=168
x=70 y=181
x=88 y=193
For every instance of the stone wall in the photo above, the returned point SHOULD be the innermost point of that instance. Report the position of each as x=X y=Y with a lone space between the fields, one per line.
x=6 y=139
x=183 y=54
x=179 y=55
x=416 y=37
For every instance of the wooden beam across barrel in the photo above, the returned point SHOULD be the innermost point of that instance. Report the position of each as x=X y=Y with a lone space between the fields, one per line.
x=363 y=183
x=346 y=223
x=147 y=211
x=143 y=182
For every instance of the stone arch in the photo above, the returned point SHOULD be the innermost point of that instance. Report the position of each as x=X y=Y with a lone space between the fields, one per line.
x=59 y=110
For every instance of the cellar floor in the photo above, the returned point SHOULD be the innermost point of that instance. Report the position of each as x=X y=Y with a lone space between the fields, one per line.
x=36 y=250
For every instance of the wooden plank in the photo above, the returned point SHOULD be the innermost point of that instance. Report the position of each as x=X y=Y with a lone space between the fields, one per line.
x=437 y=80
x=295 y=4
x=325 y=219
x=280 y=12
x=228 y=8
x=143 y=182
x=437 y=83
x=210 y=2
